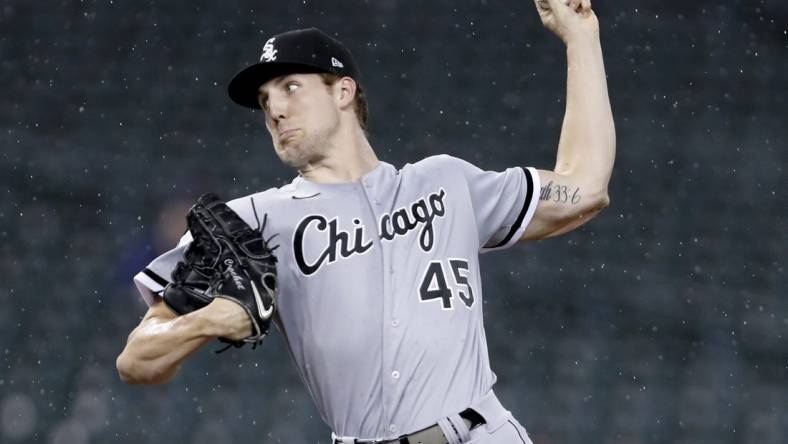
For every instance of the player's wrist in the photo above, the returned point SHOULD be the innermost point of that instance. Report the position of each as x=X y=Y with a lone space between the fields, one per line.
x=223 y=318
x=585 y=49
x=582 y=38
x=205 y=322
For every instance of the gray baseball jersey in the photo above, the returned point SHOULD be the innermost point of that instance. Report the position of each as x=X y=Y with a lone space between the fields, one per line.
x=380 y=295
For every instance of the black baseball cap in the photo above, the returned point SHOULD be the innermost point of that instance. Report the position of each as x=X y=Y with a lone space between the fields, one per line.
x=298 y=51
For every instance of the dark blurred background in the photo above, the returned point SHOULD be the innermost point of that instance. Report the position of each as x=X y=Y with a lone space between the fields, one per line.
x=662 y=321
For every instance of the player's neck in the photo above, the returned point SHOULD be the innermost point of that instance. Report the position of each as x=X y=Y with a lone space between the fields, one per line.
x=348 y=160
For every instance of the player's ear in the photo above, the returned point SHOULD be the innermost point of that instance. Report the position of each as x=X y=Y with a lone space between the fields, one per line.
x=347 y=92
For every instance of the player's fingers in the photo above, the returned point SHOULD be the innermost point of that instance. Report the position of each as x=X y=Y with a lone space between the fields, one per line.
x=543 y=6
x=585 y=6
x=550 y=5
x=574 y=5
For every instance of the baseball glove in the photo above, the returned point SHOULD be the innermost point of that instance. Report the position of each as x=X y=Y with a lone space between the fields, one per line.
x=226 y=259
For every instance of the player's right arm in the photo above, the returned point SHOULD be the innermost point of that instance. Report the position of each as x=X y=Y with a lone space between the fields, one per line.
x=577 y=189
x=163 y=340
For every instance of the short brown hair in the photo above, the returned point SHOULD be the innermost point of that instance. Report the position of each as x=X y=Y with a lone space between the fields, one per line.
x=359 y=105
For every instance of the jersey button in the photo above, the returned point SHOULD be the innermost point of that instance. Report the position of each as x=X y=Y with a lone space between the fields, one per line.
x=395 y=374
x=395 y=323
x=393 y=428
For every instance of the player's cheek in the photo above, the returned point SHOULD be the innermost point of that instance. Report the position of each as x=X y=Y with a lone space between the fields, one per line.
x=269 y=124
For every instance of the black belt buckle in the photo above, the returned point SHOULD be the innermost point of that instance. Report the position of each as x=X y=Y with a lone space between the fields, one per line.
x=473 y=416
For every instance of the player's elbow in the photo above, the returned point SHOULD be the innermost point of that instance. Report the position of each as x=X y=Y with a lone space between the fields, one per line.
x=588 y=207
x=135 y=371
x=602 y=201
x=127 y=370
x=131 y=371
x=594 y=206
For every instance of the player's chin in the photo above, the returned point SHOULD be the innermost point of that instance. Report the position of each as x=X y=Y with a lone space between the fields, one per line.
x=283 y=149
x=291 y=157
x=288 y=143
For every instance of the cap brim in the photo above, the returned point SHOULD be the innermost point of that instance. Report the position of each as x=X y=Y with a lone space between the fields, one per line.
x=243 y=88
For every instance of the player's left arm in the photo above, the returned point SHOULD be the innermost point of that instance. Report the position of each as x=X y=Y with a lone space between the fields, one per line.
x=576 y=190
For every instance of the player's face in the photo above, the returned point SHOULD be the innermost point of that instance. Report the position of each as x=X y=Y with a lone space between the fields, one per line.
x=301 y=114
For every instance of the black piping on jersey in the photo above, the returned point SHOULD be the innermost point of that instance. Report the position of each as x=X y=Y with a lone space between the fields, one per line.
x=155 y=277
x=517 y=430
x=528 y=197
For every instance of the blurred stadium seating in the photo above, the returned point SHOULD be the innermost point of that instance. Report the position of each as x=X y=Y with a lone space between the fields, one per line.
x=663 y=321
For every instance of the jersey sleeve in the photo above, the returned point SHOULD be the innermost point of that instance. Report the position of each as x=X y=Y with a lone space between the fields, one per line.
x=503 y=202
x=152 y=279
x=150 y=282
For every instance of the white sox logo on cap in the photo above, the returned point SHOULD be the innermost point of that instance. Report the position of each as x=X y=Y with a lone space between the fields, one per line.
x=269 y=53
x=300 y=50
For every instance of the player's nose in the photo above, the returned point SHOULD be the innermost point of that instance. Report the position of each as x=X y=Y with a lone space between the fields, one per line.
x=277 y=107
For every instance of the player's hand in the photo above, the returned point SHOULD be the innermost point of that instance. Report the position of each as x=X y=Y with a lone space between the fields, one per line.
x=227 y=319
x=568 y=19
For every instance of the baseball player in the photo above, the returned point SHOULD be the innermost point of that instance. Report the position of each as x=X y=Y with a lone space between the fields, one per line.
x=378 y=266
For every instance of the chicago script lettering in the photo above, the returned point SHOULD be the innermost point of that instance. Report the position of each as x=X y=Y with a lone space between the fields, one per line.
x=336 y=243
x=402 y=221
x=335 y=240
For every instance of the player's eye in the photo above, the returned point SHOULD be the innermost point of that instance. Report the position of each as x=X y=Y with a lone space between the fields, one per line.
x=292 y=86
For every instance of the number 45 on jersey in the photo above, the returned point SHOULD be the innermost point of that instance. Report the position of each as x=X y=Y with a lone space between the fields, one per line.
x=434 y=286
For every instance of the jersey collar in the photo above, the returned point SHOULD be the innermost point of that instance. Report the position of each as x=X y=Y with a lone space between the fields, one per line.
x=303 y=189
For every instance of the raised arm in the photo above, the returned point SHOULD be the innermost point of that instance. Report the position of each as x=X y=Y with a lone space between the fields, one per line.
x=163 y=340
x=576 y=190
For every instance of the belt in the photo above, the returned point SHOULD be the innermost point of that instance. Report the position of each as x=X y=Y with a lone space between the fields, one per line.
x=431 y=435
